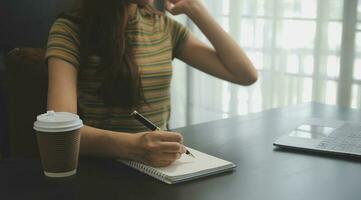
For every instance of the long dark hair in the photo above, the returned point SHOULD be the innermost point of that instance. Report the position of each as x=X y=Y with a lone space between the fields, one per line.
x=103 y=33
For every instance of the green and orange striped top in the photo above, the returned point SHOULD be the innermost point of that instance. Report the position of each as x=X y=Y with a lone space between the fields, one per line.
x=154 y=39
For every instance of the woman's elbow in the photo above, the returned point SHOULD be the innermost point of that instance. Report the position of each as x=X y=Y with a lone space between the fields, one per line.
x=250 y=79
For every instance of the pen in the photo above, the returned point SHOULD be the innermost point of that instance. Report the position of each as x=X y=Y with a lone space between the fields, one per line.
x=150 y=125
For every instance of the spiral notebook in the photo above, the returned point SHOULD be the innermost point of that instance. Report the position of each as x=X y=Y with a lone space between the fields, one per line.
x=186 y=168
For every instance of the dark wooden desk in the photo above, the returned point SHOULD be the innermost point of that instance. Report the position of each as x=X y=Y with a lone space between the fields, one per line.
x=262 y=173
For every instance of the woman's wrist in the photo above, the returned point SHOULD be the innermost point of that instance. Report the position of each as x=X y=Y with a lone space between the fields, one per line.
x=124 y=145
x=111 y=144
x=195 y=8
x=133 y=151
x=191 y=8
x=199 y=14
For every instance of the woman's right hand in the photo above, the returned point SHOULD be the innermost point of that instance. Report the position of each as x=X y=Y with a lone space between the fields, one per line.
x=158 y=148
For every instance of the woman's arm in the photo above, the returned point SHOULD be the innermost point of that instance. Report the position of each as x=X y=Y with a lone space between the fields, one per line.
x=226 y=61
x=62 y=96
x=153 y=148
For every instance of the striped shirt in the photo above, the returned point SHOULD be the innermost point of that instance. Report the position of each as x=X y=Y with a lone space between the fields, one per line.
x=154 y=40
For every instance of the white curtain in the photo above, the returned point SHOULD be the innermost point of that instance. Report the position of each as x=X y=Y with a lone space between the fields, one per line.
x=304 y=50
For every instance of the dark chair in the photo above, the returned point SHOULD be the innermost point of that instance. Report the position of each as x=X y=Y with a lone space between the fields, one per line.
x=23 y=83
x=26 y=91
x=4 y=145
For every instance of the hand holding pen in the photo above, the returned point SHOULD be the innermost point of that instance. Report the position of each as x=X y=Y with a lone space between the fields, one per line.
x=153 y=127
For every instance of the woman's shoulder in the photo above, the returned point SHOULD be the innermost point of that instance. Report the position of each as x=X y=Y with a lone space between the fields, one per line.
x=68 y=21
x=73 y=16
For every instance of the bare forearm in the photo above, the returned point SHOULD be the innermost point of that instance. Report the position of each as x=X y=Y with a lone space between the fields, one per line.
x=104 y=143
x=157 y=148
x=228 y=51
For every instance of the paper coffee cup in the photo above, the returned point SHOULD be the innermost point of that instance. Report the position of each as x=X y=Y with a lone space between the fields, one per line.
x=58 y=139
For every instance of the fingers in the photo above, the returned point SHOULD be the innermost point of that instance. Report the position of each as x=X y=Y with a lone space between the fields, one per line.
x=158 y=141
x=160 y=148
x=171 y=142
x=170 y=137
x=169 y=6
x=172 y=147
x=161 y=163
x=175 y=10
x=170 y=156
x=163 y=159
x=169 y=147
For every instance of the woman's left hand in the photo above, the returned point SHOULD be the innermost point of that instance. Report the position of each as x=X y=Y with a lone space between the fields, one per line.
x=188 y=7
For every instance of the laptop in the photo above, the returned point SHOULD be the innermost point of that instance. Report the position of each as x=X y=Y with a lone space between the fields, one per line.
x=327 y=136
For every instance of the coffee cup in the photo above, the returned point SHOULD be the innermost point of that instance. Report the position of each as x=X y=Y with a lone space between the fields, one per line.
x=58 y=138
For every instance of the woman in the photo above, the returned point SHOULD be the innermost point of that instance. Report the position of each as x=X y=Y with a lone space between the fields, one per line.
x=115 y=56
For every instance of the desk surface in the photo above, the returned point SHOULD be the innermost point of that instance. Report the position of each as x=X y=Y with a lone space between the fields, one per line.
x=263 y=172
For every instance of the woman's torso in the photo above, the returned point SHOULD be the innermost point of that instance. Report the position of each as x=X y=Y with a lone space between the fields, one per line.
x=153 y=39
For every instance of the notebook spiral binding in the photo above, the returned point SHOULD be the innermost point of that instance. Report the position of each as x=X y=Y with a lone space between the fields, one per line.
x=147 y=169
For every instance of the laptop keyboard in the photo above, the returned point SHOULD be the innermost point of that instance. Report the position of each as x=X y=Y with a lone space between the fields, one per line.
x=346 y=138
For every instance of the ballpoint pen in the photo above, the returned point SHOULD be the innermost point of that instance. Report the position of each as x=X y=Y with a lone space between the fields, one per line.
x=150 y=125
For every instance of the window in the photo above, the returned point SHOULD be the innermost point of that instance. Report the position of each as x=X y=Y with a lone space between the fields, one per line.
x=303 y=50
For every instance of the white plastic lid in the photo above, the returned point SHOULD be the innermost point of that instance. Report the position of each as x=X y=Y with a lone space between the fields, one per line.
x=57 y=122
